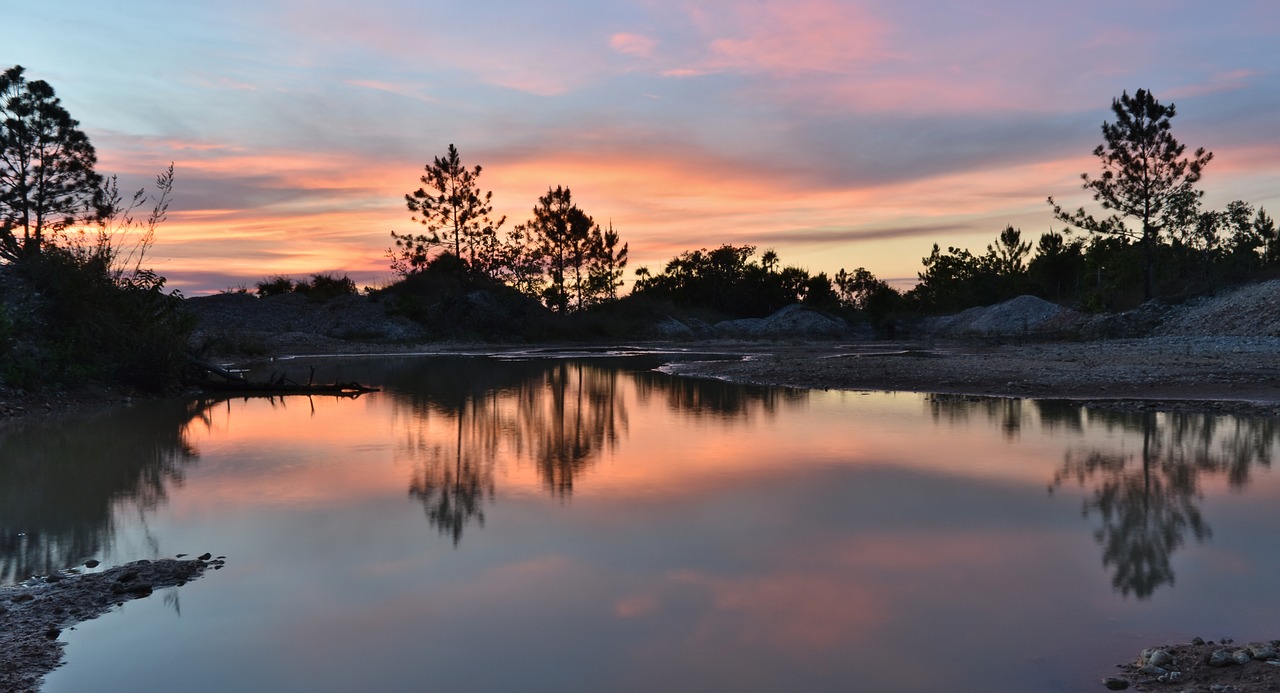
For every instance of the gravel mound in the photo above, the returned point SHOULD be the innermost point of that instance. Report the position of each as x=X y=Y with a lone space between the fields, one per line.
x=794 y=321
x=1250 y=311
x=1019 y=316
x=289 y=318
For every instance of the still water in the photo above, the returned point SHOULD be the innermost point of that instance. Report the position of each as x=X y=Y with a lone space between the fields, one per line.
x=591 y=524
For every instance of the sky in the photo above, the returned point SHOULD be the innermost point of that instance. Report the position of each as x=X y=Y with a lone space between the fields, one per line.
x=840 y=133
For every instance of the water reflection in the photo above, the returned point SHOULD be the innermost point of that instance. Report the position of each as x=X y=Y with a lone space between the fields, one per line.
x=561 y=415
x=714 y=398
x=958 y=409
x=1144 y=497
x=1148 y=509
x=61 y=490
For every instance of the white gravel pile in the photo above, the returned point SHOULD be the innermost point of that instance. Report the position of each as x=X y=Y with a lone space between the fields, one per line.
x=1250 y=311
x=1018 y=316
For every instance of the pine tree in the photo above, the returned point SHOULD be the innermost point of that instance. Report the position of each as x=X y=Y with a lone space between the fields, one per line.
x=1144 y=173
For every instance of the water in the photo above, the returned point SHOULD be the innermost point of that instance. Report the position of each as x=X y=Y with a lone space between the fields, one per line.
x=588 y=524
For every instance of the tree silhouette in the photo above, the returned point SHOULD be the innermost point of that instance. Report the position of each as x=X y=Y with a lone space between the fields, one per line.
x=606 y=267
x=47 y=177
x=1144 y=176
x=455 y=212
x=569 y=241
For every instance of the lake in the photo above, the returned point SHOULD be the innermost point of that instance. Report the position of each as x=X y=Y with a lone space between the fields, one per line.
x=584 y=522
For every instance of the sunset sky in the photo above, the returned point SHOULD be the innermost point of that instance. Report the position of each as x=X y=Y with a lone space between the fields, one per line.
x=840 y=133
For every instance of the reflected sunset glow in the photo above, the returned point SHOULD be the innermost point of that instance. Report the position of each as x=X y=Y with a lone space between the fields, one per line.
x=591 y=523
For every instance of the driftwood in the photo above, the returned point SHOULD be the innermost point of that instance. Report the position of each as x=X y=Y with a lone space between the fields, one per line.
x=277 y=384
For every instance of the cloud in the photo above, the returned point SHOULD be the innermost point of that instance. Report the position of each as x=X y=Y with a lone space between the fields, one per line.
x=1216 y=83
x=636 y=45
x=784 y=37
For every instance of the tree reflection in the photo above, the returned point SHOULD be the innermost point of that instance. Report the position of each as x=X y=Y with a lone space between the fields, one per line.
x=1147 y=510
x=1006 y=412
x=458 y=417
x=452 y=488
x=560 y=414
x=1146 y=497
x=62 y=482
x=719 y=399
x=572 y=416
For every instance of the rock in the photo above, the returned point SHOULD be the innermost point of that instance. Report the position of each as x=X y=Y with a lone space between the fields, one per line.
x=1153 y=670
x=1220 y=658
x=1115 y=684
x=205 y=556
x=92 y=563
x=53 y=577
x=1155 y=657
x=1240 y=657
x=1197 y=640
x=1262 y=650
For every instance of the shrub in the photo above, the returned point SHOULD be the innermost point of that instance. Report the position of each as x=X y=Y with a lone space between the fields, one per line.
x=275 y=286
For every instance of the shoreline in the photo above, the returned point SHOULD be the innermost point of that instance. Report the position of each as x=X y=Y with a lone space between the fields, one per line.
x=1219 y=375
x=33 y=614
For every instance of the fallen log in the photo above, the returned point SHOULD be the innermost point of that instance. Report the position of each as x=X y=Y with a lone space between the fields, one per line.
x=277 y=384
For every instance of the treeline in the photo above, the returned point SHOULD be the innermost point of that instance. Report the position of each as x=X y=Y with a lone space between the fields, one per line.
x=562 y=258
x=1156 y=240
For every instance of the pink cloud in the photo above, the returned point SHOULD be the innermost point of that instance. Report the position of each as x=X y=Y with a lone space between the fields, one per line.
x=784 y=37
x=1231 y=80
x=638 y=45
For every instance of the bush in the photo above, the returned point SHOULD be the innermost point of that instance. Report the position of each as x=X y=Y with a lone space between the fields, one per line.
x=324 y=287
x=92 y=324
x=275 y=286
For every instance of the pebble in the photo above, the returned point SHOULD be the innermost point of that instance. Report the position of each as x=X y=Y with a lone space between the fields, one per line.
x=1115 y=684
